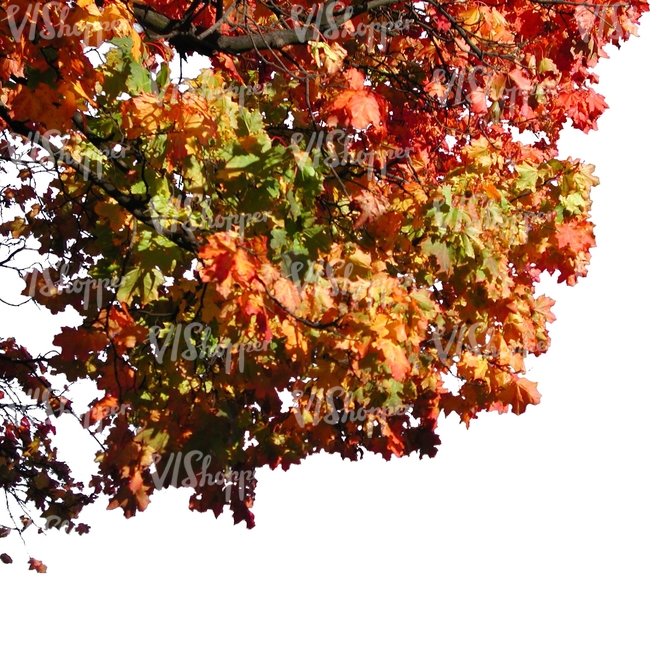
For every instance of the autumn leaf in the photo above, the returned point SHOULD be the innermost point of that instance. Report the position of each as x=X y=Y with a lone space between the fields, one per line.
x=37 y=565
x=519 y=393
x=477 y=101
x=372 y=205
x=76 y=344
x=286 y=293
x=358 y=106
x=395 y=358
x=578 y=236
x=543 y=306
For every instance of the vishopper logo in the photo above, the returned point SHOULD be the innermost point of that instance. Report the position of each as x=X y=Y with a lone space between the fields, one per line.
x=56 y=522
x=342 y=412
x=315 y=271
x=56 y=24
x=595 y=21
x=228 y=478
x=18 y=154
x=78 y=285
x=346 y=154
x=336 y=20
x=207 y=350
x=518 y=223
x=464 y=339
x=183 y=213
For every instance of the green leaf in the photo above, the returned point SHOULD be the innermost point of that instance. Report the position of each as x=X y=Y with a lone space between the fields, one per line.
x=467 y=245
x=439 y=251
x=236 y=166
x=162 y=78
x=574 y=203
x=139 y=79
x=421 y=297
x=527 y=177
x=278 y=238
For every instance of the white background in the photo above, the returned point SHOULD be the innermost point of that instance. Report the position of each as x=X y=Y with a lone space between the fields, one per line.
x=524 y=532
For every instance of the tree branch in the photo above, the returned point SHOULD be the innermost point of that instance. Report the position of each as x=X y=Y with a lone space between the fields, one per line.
x=207 y=43
x=135 y=206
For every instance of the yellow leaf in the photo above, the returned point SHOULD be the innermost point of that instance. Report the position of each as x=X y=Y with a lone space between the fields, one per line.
x=380 y=325
x=473 y=366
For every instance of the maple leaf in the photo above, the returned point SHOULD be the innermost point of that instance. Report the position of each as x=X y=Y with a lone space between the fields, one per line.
x=520 y=79
x=37 y=565
x=442 y=22
x=218 y=253
x=285 y=291
x=578 y=236
x=76 y=344
x=143 y=115
x=226 y=263
x=372 y=206
x=543 y=306
x=477 y=101
x=473 y=366
x=395 y=358
x=330 y=57
x=98 y=412
x=519 y=393
x=585 y=17
x=584 y=107
x=225 y=62
x=358 y=107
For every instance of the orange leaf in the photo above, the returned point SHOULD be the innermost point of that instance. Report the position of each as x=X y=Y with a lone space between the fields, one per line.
x=37 y=565
x=543 y=306
x=477 y=99
x=286 y=293
x=578 y=236
x=357 y=108
x=520 y=393
x=395 y=358
x=372 y=205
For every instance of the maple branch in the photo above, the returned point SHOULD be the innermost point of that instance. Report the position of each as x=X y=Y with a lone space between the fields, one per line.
x=208 y=42
x=21 y=247
x=304 y=321
x=137 y=207
x=78 y=119
x=477 y=51
x=580 y=4
x=30 y=361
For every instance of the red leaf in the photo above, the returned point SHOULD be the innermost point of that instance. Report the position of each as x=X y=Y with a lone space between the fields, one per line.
x=578 y=236
x=477 y=99
x=442 y=22
x=77 y=343
x=358 y=107
x=37 y=565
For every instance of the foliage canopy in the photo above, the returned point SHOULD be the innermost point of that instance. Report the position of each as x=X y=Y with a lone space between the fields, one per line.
x=339 y=205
